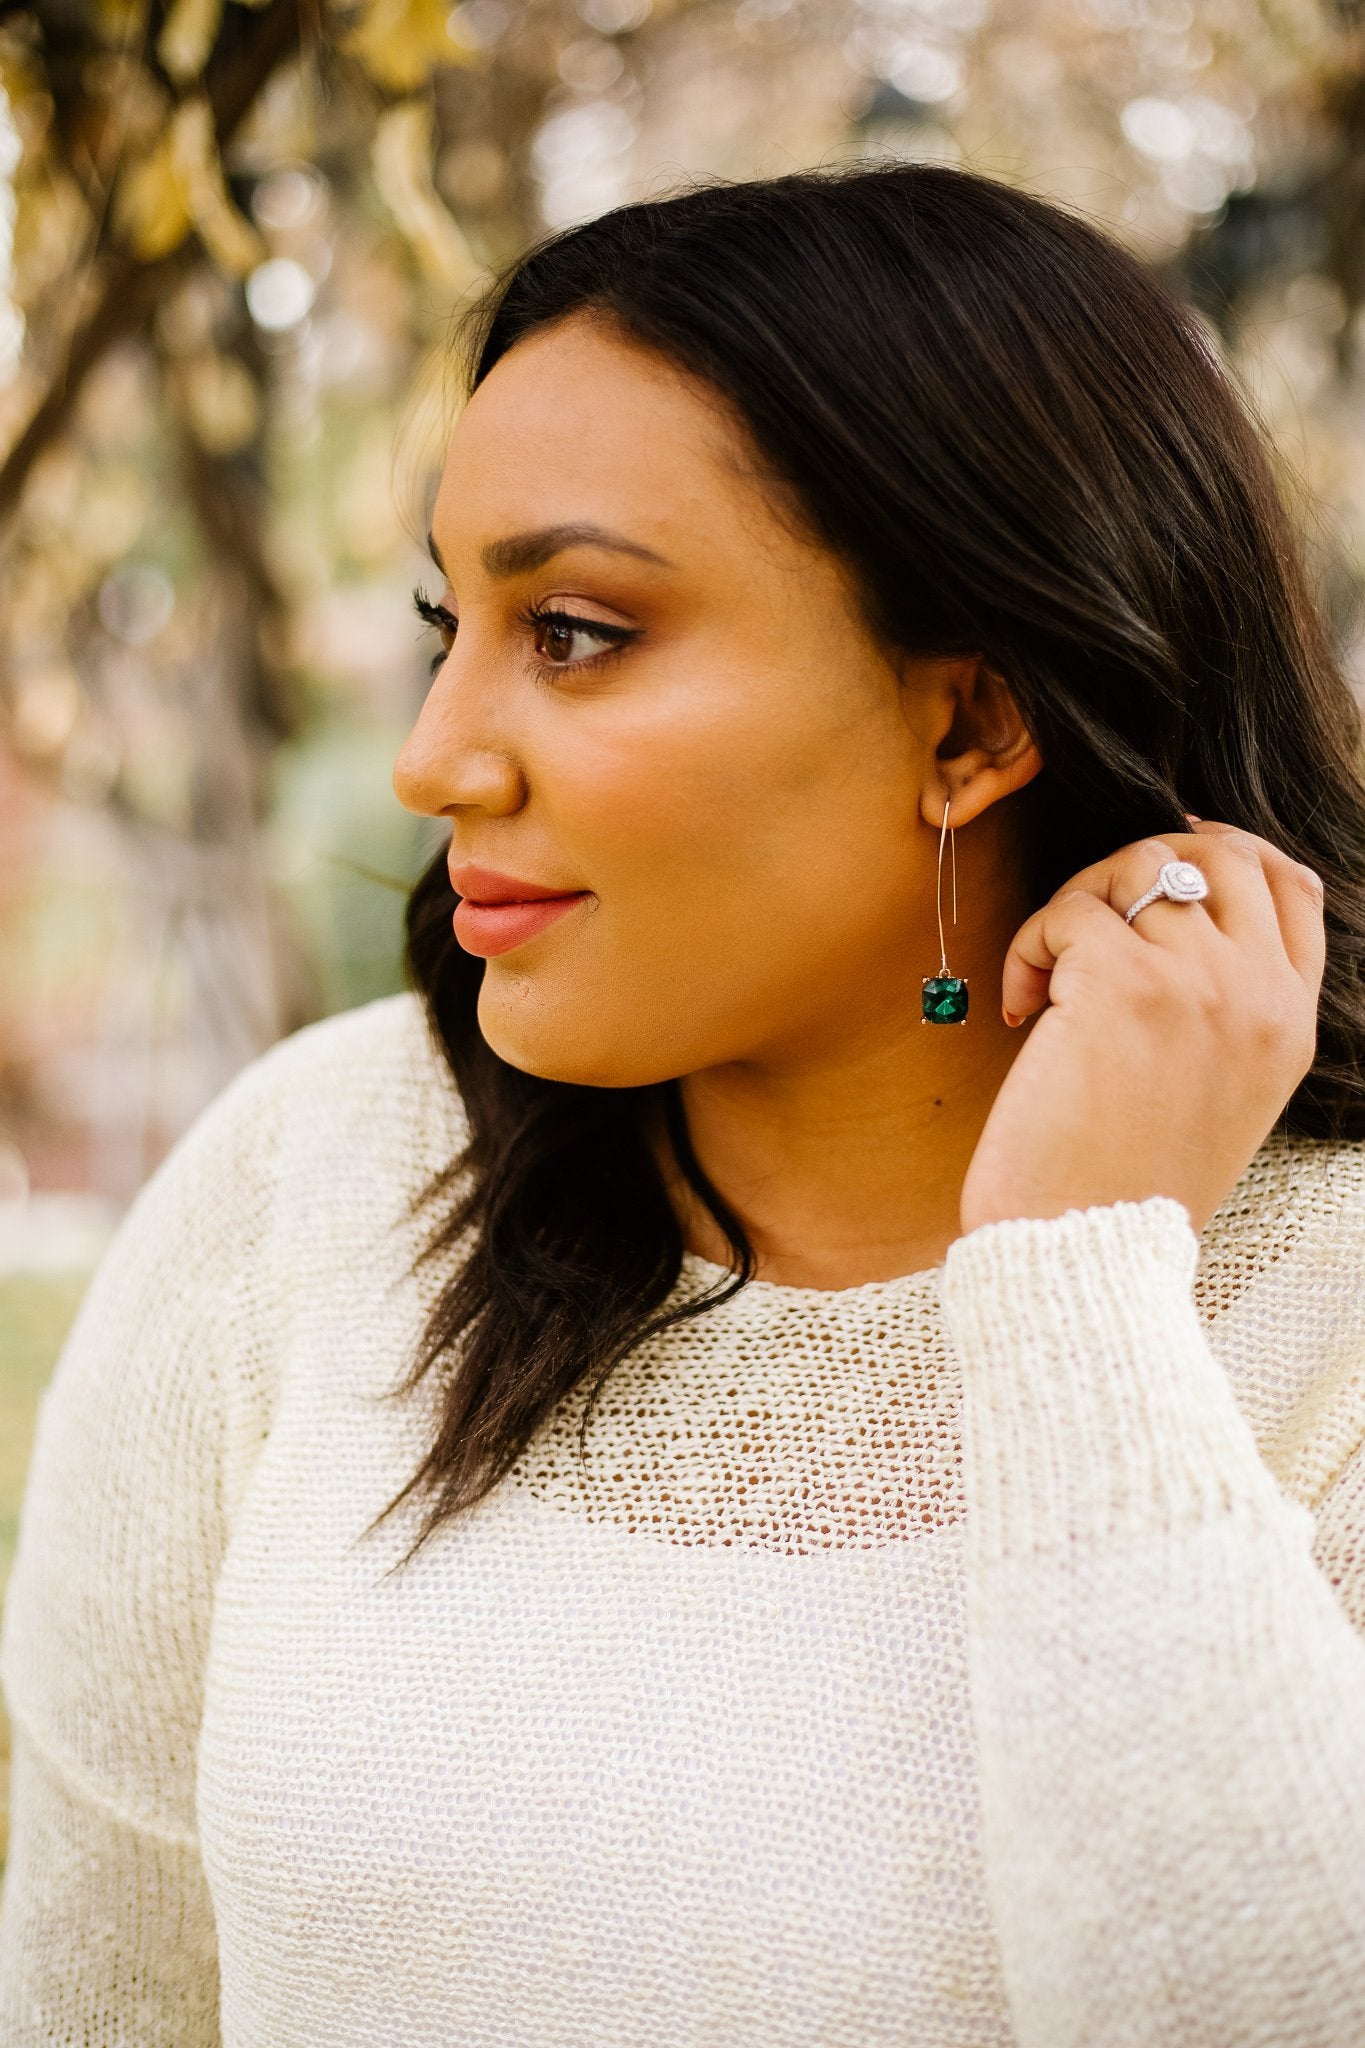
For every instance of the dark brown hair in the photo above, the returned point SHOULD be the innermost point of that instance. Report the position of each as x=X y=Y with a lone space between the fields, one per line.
x=1022 y=445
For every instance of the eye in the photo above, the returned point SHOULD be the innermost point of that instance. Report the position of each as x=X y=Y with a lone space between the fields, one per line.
x=445 y=623
x=554 y=633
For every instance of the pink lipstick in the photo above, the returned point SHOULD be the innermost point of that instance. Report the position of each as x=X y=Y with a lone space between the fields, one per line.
x=497 y=912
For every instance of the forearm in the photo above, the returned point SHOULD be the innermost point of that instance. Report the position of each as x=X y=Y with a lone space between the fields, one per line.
x=107 y=1928
x=1169 y=1701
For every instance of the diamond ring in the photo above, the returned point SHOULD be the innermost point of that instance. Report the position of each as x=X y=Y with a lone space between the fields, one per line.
x=1180 y=881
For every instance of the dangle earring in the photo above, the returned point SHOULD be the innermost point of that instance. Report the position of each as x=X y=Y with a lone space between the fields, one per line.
x=943 y=997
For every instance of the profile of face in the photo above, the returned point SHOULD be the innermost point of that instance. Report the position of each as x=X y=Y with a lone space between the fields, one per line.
x=688 y=721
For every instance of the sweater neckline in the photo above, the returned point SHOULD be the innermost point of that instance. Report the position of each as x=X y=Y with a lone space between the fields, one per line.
x=776 y=1292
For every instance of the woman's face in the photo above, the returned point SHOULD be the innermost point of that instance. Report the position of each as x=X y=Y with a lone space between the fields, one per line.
x=716 y=753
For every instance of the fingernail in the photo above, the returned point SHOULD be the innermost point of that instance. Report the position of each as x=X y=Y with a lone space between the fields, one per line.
x=1011 y=1019
x=1194 y=818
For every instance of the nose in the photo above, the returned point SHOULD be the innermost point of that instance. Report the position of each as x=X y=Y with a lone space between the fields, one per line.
x=446 y=765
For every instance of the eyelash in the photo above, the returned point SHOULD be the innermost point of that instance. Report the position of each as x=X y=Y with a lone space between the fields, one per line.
x=532 y=616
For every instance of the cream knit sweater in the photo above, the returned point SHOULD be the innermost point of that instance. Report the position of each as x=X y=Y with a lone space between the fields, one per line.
x=965 y=1659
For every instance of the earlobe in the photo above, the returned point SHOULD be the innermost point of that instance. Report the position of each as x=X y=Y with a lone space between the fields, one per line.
x=966 y=798
x=964 y=802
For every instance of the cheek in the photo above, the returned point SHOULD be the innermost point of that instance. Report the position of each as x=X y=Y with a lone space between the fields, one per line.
x=720 y=846
x=700 y=789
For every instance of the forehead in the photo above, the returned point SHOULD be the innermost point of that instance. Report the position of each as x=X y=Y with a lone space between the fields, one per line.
x=579 y=422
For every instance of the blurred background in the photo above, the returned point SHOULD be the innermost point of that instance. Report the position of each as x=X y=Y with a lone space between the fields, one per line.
x=232 y=239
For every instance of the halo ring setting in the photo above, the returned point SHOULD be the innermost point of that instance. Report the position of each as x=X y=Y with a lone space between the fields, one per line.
x=1179 y=881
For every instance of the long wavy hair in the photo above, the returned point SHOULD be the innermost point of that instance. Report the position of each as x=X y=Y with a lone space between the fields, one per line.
x=1022 y=445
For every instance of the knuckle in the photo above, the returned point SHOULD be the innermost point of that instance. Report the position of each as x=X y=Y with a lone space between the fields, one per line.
x=1244 y=847
x=1280 y=1023
x=1266 y=1029
x=1207 y=997
x=1068 y=909
x=1148 y=991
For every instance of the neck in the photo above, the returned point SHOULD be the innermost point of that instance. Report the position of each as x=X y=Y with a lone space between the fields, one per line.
x=845 y=1161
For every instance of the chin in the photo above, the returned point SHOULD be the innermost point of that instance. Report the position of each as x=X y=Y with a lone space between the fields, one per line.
x=583 y=1051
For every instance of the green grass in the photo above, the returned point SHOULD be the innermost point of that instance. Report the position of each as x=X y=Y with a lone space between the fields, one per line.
x=35 y=1314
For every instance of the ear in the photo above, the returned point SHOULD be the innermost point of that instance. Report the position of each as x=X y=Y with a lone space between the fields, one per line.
x=985 y=751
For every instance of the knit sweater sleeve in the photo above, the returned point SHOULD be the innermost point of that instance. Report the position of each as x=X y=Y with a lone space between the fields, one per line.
x=1168 y=1694
x=143 y=1439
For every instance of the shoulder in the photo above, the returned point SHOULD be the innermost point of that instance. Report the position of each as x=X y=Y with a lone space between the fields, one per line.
x=1300 y=1202
x=368 y=1083
x=358 y=1059
x=291 y=1163
x=1345 y=1174
x=281 y=1184
x=1281 y=1282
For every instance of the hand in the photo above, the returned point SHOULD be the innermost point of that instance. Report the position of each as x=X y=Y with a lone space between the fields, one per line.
x=1168 y=1047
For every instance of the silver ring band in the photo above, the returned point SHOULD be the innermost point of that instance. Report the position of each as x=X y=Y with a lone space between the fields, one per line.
x=1179 y=881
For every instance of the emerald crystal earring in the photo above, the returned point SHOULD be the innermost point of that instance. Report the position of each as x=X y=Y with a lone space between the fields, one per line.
x=943 y=998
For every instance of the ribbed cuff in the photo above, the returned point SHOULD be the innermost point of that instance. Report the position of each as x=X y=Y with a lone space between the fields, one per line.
x=1092 y=1403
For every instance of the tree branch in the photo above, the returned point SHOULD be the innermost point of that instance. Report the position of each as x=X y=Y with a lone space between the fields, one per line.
x=132 y=290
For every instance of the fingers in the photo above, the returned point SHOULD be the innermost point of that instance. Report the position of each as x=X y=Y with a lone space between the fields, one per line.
x=1040 y=942
x=1296 y=897
x=1238 y=903
x=1265 y=903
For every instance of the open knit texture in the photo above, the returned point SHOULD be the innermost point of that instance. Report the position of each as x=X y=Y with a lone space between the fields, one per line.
x=966 y=1660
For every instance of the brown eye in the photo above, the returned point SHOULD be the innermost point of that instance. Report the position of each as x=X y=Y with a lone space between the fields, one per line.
x=554 y=634
x=554 y=640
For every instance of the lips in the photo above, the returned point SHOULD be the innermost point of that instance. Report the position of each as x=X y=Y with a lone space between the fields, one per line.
x=497 y=912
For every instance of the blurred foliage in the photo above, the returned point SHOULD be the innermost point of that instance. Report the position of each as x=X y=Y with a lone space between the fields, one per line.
x=35 y=1314
x=231 y=238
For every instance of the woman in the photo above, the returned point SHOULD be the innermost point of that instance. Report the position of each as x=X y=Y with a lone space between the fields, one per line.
x=706 y=1498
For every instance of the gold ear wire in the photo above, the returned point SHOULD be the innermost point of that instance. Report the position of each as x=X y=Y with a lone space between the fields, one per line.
x=943 y=997
x=942 y=950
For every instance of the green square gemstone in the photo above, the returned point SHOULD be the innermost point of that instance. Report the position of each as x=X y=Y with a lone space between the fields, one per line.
x=944 y=1000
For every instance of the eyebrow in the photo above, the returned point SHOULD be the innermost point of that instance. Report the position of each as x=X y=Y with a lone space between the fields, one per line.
x=518 y=553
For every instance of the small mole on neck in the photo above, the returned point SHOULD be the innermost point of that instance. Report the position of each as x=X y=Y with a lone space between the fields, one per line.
x=938 y=1102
